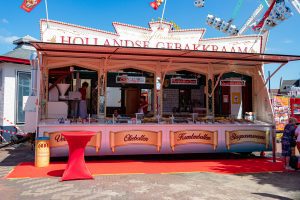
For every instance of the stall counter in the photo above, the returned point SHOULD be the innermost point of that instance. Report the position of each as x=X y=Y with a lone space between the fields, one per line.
x=133 y=139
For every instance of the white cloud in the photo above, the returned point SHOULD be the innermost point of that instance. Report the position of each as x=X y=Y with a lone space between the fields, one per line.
x=4 y=21
x=287 y=41
x=8 y=39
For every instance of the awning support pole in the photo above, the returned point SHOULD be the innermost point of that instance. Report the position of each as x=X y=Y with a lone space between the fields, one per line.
x=104 y=85
x=274 y=142
x=278 y=68
x=266 y=81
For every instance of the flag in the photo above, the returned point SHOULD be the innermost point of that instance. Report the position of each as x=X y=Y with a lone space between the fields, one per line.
x=266 y=15
x=29 y=5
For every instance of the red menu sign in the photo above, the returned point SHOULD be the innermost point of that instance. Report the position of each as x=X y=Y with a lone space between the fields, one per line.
x=184 y=81
x=232 y=83
x=131 y=79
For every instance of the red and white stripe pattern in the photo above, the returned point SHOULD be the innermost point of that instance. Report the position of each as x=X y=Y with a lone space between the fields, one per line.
x=2 y=137
x=20 y=131
x=7 y=131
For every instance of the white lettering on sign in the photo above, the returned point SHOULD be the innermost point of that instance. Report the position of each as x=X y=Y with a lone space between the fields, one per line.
x=233 y=83
x=157 y=36
x=184 y=81
x=131 y=79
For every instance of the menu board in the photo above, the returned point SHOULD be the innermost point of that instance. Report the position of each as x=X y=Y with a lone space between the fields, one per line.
x=130 y=79
x=184 y=81
x=281 y=111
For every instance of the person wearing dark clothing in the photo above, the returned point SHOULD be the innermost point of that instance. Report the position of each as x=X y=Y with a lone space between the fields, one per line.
x=82 y=103
x=287 y=141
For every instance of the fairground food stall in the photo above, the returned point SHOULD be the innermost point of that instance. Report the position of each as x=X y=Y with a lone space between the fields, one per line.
x=202 y=95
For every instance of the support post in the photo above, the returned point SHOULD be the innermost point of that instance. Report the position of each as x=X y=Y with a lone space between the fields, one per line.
x=40 y=64
x=157 y=90
x=269 y=82
x=98 y=92
x=104 y=83
x=210 y=85
x=161 y=95
x=47 y=91
x=104 y=90
x=155 y=95
x=274 y=143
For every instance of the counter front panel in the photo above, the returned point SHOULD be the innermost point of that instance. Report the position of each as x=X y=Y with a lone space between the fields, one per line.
x=117 y=139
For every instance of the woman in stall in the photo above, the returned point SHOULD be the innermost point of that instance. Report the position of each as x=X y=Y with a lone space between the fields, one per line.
x=82 y=104
x=143 y=108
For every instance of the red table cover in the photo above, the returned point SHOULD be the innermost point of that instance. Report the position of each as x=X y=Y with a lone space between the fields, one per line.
x=76 y=168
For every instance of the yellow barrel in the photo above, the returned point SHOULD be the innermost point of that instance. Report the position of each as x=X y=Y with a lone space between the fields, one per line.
x=42 y=152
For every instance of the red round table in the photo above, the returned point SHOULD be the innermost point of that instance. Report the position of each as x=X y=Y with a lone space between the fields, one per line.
x=76 y=167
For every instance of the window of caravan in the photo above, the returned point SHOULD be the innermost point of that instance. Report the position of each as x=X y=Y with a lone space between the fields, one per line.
x=23 y=91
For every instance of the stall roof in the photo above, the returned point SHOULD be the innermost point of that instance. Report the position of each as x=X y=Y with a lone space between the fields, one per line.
x=162 y=55
x=14 y=60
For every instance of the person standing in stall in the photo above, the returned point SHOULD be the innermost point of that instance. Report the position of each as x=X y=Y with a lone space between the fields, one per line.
x=82 y=104
x=143 y=108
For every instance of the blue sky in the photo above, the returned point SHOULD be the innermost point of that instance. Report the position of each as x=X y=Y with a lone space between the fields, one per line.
x=14 y=22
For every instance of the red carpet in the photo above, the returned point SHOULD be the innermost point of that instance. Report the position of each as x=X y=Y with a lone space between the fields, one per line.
x=229 y=166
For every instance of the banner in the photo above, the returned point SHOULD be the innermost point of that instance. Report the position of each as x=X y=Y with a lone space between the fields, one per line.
x=136 y=36
x=123 y=138
x=58 y=140
x=193 y=137
x=243 y=136
x=281 y=111
x=29 y=5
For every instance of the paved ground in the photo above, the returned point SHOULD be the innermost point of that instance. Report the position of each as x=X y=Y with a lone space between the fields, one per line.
x=193 y=186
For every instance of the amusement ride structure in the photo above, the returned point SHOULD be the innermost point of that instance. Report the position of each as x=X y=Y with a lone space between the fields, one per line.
x=274 y=12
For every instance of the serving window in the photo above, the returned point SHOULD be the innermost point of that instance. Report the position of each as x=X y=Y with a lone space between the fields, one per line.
x=233 y=95
x=72 y=93
x=184 y=93
x=124 y=91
